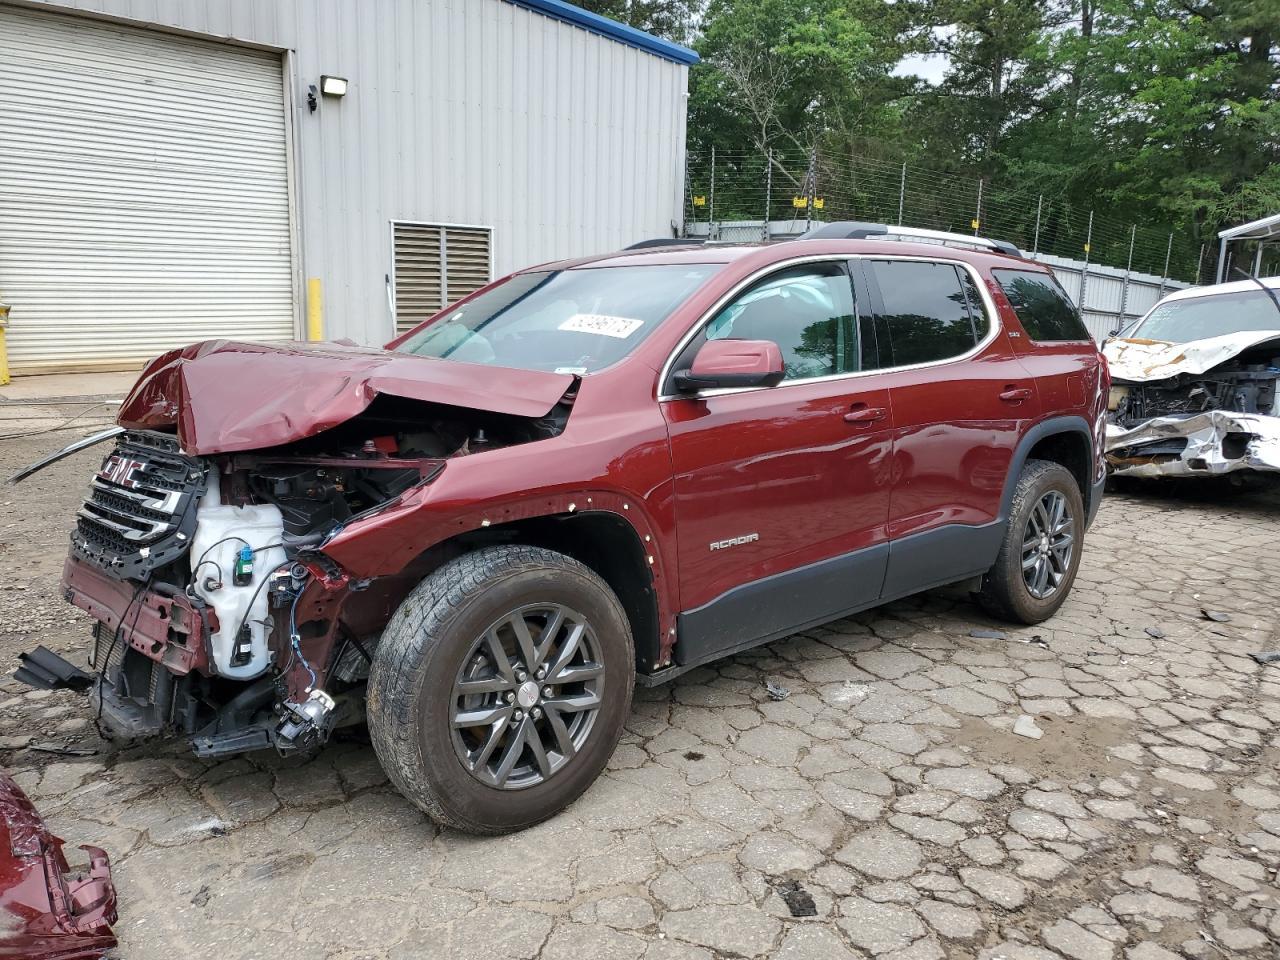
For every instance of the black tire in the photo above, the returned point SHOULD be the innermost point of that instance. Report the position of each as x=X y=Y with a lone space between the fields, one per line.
x=412 y=696
x=1005 y=592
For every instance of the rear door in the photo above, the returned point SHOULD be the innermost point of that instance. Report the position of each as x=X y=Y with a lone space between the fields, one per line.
x=782 y=493
x=1057 y=349
x=961 y=403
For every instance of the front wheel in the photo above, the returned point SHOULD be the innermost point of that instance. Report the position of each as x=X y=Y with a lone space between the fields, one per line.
x=1040 y=553
x=499 y=689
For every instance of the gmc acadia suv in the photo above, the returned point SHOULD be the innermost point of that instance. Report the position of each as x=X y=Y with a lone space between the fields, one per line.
x=586 y=474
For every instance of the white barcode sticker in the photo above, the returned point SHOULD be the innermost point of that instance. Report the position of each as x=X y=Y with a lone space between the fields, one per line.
x=618 y=327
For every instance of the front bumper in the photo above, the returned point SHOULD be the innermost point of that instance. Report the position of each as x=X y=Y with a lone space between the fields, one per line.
x=1207 y=444
x=146 y=643
x=161 y=623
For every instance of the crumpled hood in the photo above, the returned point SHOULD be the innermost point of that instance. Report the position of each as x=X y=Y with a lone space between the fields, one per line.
x=1140 y=361
x=226 y=396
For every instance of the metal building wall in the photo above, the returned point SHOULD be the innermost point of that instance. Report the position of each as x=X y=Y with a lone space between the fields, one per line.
x=459 y=111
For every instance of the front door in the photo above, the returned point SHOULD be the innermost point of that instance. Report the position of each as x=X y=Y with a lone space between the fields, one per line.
x=782 y=493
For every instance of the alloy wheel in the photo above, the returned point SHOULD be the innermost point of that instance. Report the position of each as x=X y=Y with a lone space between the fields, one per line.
x=526 y=697
x=1047 y=544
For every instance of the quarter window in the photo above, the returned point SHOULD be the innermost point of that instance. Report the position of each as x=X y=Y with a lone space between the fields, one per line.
x=1046 y=312
x=808 y=311
x=977 y=310
x=926 y=310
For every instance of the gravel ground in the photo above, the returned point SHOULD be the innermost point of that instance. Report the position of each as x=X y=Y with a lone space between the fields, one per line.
x=884 y=808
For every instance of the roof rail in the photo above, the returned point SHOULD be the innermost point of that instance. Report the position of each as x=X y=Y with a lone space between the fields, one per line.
x=858 y=230
x=667 y=242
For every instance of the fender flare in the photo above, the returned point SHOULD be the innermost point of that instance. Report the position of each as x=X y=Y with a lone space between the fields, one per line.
x=1048 y=428
x=632 y=510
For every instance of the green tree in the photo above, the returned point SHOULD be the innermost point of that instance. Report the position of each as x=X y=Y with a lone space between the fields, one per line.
x=1143 y=111
x=792 y=73
x=989 y=87
x=1168 y=111
x=674 y=20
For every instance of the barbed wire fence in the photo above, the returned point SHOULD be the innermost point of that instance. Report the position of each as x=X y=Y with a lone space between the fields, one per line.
x=749 y=195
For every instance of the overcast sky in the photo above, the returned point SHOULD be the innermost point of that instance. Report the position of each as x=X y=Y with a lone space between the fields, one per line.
x=930 y=67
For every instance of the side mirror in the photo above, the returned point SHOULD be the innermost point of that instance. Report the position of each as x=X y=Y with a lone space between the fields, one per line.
x=732 y=363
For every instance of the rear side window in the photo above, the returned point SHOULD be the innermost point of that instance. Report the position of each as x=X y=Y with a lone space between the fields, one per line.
x=926 y=309
x=1046 y=312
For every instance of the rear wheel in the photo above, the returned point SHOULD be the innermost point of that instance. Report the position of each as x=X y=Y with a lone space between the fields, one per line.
x=500 y=686
x=1040 y=554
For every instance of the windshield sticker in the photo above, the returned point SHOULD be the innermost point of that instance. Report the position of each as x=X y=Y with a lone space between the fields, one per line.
x=575 y=371
x=617 y=327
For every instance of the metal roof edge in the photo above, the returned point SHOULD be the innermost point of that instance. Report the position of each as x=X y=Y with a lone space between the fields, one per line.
x=603 y=26
x=1265 y=228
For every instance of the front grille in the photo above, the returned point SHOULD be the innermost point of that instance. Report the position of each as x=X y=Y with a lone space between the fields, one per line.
x=141 y=510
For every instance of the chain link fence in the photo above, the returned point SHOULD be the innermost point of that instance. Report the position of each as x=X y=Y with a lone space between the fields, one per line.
x=732 y=195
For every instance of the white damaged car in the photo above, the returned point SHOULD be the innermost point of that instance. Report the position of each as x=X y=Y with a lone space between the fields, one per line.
x=1194 y=384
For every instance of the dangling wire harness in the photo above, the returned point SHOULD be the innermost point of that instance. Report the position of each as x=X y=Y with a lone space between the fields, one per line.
x=295 y=641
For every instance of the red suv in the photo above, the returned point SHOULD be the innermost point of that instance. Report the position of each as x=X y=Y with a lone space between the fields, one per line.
x=586 y=474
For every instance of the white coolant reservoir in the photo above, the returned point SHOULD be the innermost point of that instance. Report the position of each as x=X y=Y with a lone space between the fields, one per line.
x=222 y=532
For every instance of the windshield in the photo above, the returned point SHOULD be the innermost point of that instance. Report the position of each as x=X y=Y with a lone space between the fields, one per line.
x=1198 y=318
x=565 y=321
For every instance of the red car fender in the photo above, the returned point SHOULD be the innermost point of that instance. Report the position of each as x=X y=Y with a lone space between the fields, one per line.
x=381 y=544
x=49 y=912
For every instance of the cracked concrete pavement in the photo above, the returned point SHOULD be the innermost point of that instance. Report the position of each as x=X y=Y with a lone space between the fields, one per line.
x=884 y=808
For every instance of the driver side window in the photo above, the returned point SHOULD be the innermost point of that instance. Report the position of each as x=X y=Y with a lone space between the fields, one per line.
x=807 y=310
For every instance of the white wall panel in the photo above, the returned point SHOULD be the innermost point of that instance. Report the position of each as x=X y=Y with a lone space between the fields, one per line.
x=458 y=111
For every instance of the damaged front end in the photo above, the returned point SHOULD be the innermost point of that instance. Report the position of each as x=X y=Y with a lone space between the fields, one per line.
x=1200 y=409
x=219 y=616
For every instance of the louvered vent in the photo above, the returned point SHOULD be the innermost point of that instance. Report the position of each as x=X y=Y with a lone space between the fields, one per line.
x=436 y=266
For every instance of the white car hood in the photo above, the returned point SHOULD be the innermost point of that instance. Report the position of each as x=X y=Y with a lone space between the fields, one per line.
x=1139 y=361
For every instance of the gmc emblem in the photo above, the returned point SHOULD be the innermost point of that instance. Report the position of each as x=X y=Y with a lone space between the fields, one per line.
x=120 y=470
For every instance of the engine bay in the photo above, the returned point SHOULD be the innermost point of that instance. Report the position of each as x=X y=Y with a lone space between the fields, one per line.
x=1196 y=424
x=1246 y=384
x=325 y=482
x=219 y=616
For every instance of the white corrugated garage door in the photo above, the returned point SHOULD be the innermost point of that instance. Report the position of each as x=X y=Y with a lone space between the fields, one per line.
x=144 y=198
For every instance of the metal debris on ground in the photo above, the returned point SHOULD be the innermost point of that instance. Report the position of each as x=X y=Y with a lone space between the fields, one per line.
x=1155 y=632
x=798 y=900
x=64 y=750
x=1269 y=656
x=988 y=635
x=776 y=690
x=1217 y=616
x=1036 y=639
x=1026 y=726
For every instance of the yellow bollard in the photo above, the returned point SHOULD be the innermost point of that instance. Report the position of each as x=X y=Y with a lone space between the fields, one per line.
x=4 y=350
x=315 y=310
